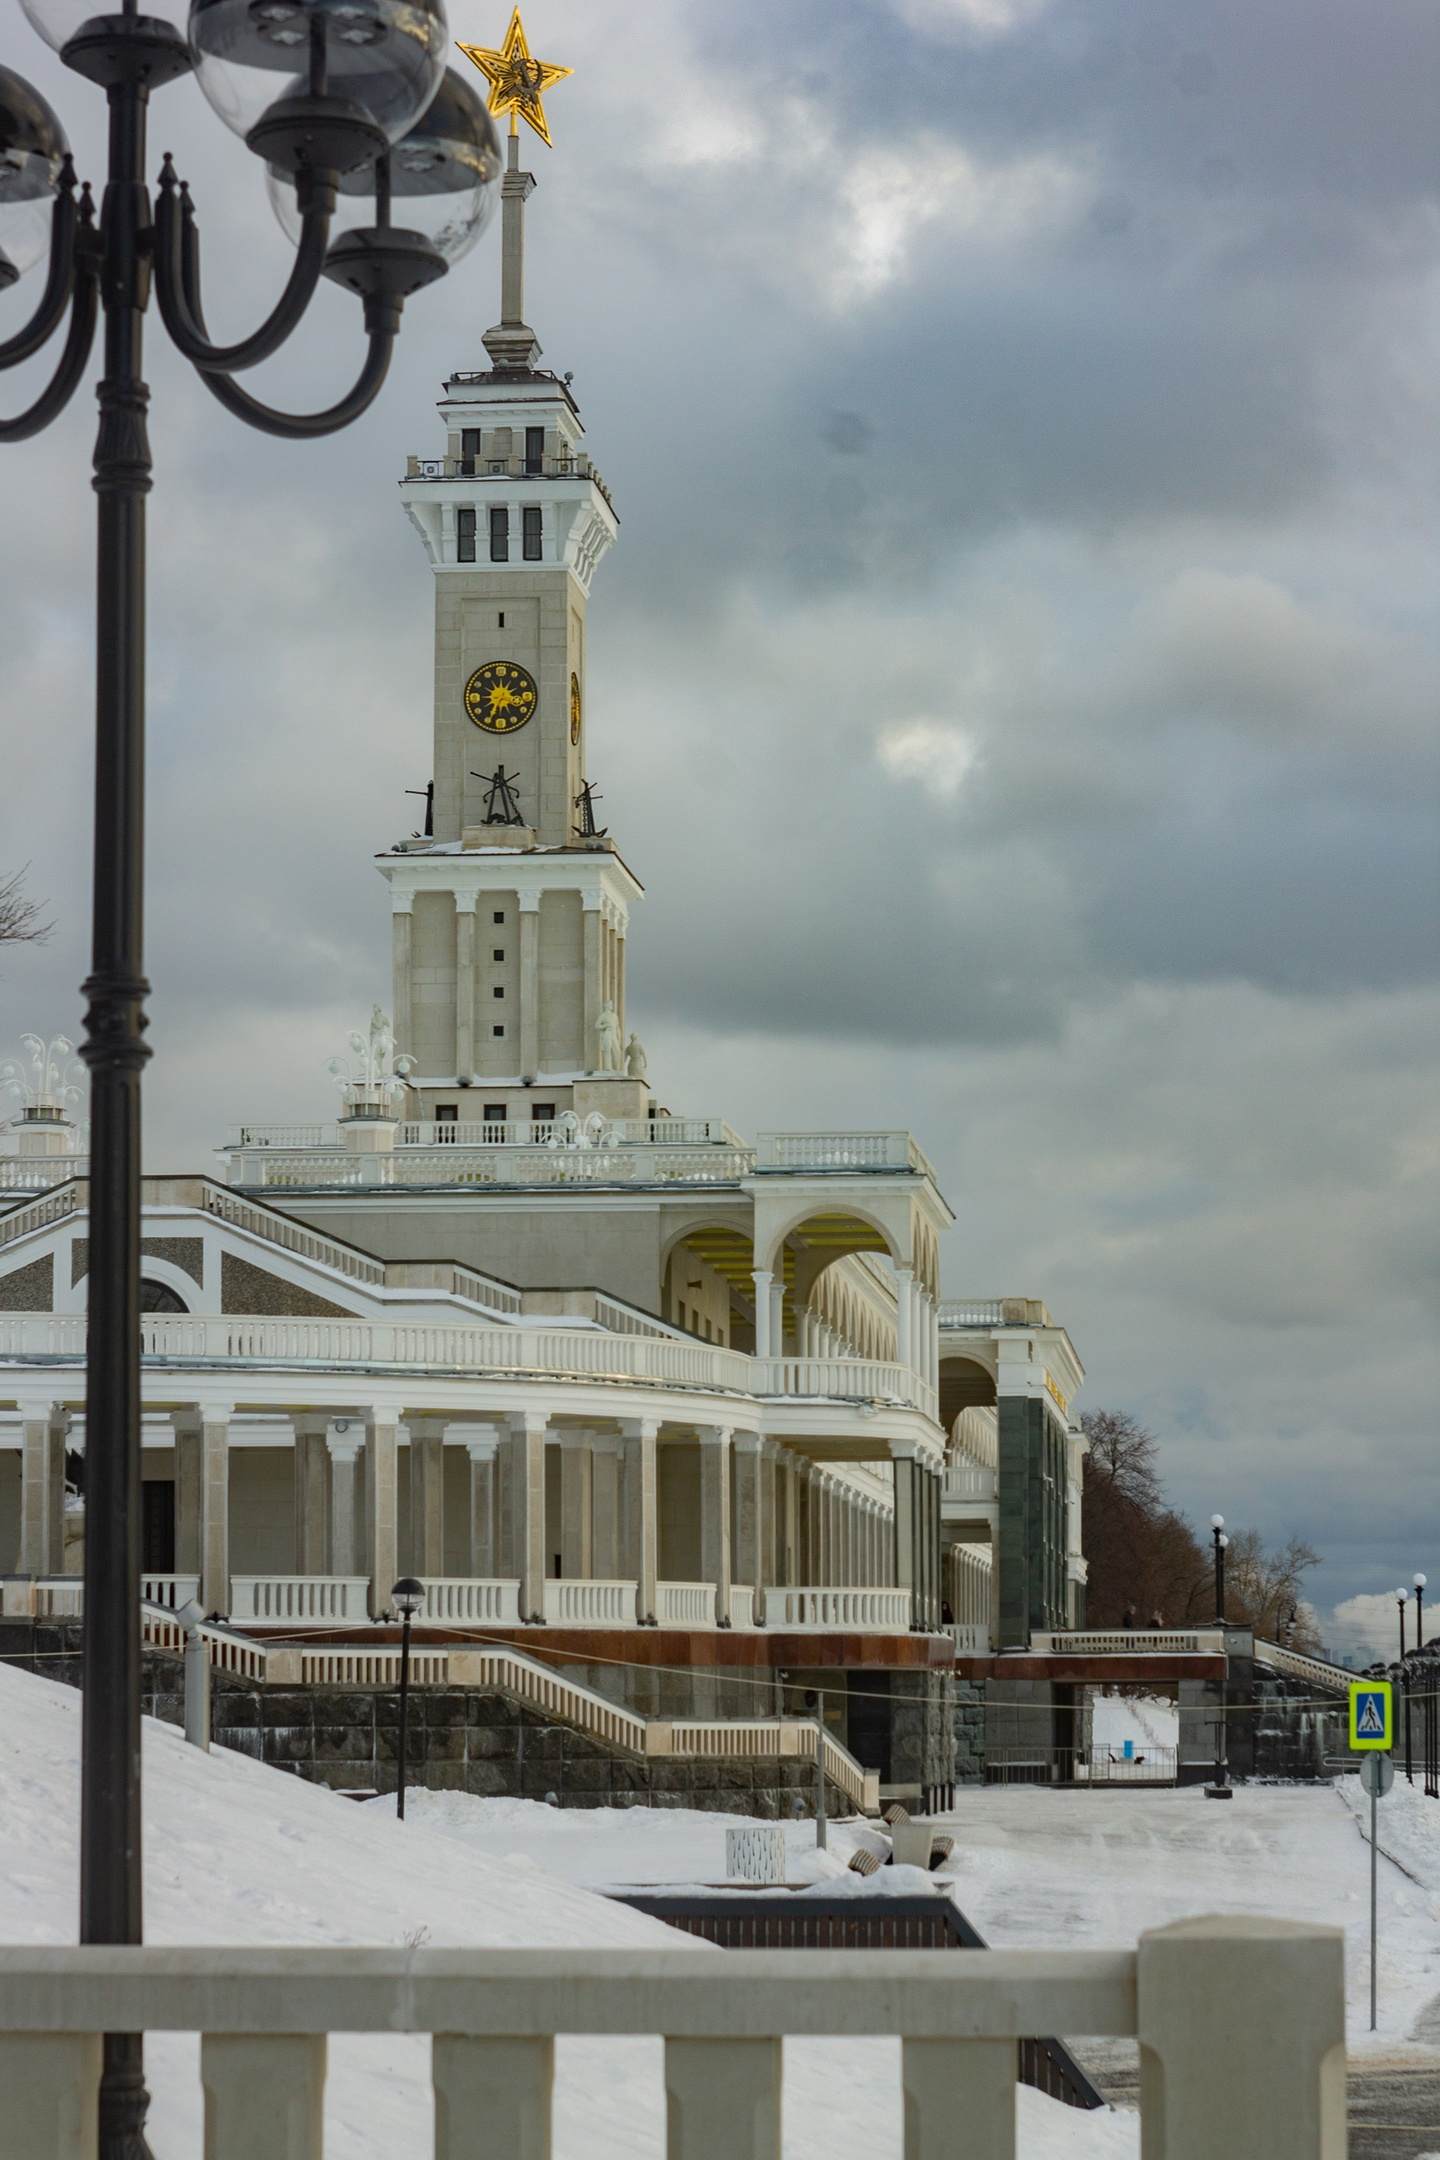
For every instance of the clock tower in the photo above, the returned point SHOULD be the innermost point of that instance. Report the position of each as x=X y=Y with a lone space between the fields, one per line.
x=510 y=917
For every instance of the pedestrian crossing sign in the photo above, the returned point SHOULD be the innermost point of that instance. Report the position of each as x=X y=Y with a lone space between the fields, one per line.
x=1372 y=1714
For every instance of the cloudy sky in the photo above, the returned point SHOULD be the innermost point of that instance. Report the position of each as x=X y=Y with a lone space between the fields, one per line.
x=1016 y=681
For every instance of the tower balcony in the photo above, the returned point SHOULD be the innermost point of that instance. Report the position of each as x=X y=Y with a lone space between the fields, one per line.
x=572 y=465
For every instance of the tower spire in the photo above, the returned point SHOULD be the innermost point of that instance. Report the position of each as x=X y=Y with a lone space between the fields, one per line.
x=518 y=83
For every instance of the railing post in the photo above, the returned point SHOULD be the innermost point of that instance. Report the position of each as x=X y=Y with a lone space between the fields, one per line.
x=960 y=2099
x=1241 y=2023
x=722 y=2099
x=492 y=2096
x=264 y=2095
x=50 y=2084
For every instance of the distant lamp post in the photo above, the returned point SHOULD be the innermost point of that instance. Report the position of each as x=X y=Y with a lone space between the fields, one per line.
x=407 y=1596
x=1217 y=1527
x=1420 y=1581
x=1402 y=1598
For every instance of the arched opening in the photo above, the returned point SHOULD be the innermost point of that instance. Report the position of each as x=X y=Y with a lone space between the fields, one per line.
x=964 y=1384
x=158 y=1297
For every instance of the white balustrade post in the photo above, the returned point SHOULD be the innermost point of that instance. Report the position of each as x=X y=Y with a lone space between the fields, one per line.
x=715 y=1515
x=492 y=2096
x=960 y=2099
x=1241 y=2024
x=264 y=2095
x=762 y=1279
x=49 y=2084
x=343 y=1441
x=481 y=1450
x=642 y=1503
x=722 y=2099
x=529 y=1428
x=382 y=1444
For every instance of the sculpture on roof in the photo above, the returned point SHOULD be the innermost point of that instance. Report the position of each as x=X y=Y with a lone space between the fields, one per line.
x=607 y=1034
x=635 y=1061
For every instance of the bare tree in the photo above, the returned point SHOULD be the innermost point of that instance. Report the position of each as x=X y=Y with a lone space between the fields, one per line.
x=1263 y=1588
x=20 y=922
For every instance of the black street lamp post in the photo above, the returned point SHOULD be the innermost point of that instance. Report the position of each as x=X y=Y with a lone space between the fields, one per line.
x=1402 y=1598
x=1419 y=1581
x=1217 y=1529
x=407 y=1596
x=357 y=125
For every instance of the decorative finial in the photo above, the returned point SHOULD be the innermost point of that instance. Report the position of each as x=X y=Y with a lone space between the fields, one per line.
x=373 y=1077
x=517 y=81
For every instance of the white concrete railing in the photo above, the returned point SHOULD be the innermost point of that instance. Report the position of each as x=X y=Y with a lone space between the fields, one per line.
x=286 y=1136
x=469 y=1598
x=272 y=1169
x=172 y=1590
x=60 y=1597
x=229 y=1651
x=54 y=1207
x=685 y=1604
x=458 y=1347
x=1241 y=2024
x=840 y=1151
x=971 y=1312
x=969 y=1481
x=1315 y=1672
x=742 y=1605
x=971 y=1637
x=290 y=1236
x=582 y=1602
x=866 y=1379
x=300 y=1600
x=620 y=1132
x=1104 y=1642
x=38 y=1173
x=819 y=1606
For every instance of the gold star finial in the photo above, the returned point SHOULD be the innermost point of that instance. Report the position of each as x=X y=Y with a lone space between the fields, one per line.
x=517 y=81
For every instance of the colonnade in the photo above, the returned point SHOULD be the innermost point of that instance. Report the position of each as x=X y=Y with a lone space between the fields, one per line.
x=917 y=1327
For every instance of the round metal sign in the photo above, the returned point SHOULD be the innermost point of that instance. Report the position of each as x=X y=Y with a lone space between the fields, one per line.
x=1377 y=1775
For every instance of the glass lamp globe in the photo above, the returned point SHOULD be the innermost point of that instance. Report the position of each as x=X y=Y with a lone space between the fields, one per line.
x=32 y=148
x=444 y=178
x=379 y=59
x=58 y=20
x=1217 y=1522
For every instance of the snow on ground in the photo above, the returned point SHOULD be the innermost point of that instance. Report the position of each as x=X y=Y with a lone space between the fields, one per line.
x=1145 y=1720
x=236 y=1853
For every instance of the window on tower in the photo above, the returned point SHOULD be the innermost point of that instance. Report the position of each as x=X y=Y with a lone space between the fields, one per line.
x=494 y=1113
x=534 y=449
x=497 y=952
x=531 y=531
x=499 y=535
x=465 y=536
x=497 y=1031
x=499 y=914
x=469 y=449
x=498 y=991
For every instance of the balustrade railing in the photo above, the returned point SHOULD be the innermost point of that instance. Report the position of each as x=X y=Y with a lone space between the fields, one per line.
x=868 y=1379
x=576 y=1601
x=685 y=1604
x=470 y=1598
x=971 y=1312
x=1241 y=2024
x=299 y=1600
x=172 y=1590
x=841 y=1151
x=823 y=1606
x=1088 y=1642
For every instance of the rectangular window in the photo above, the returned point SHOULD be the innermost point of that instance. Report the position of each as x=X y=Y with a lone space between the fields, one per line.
x=498 y=991
x=530 y=548
x=498 y=952
x=542 y=1113
x=500 y=915
x=465 y=536
x=447 y=1117
x=534 y=449
x=469 y=449
x=497 y=1031
x=494 y=1113
x=499 y=536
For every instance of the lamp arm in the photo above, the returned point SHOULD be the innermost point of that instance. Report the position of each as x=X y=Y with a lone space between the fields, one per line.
x=298 y=426
x=177 y=275
x=60 y=282
x=64 y=381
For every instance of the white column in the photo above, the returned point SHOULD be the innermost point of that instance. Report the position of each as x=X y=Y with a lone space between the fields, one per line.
x=382 y=1443
x=642 y=1507
x=401 y=921
x=762 y=1279
x=465 y=985
x=605 y=1523
x=529 y=1428
x=344 y=1451
x=715 y=1515
x=590 y=1049
x=577 y=1495
x=749 y=1529
x=427 y=1496
x=904 y=1316
x=481 y=1452
x=777 y=1317
x=37 y=1490
x=308 y=1427
x=529 y=985
x=214 y=1466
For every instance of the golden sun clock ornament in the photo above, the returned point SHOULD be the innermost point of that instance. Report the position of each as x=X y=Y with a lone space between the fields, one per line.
x=518 y=82
x=501 y=696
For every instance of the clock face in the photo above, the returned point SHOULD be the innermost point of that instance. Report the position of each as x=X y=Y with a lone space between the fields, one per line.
x=574 y=708
x=501 y=697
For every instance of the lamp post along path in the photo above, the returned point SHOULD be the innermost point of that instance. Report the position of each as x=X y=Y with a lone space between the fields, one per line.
x=408 y=1596
x=366 y=122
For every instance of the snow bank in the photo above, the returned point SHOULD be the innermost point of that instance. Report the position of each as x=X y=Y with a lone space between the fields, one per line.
x=236 y=1853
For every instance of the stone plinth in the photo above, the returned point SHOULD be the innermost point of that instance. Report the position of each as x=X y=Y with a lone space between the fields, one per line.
x=511 y=839
x=613 y=1095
